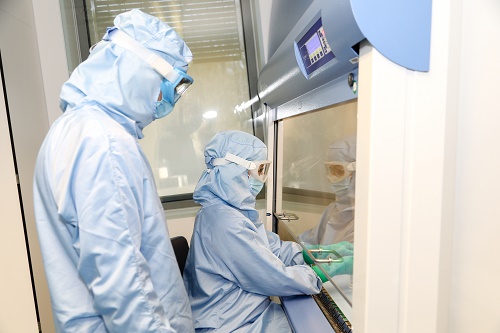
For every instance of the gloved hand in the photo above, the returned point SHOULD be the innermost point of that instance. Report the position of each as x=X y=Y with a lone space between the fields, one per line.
x=342 y=248
x=334 y=268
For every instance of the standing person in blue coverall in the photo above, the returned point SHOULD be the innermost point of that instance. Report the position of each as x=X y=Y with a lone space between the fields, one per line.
x=107 y=253
x=234 y=264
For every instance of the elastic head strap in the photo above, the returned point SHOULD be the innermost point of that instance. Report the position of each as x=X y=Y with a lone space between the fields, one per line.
x=235 y=159
x=161 y=66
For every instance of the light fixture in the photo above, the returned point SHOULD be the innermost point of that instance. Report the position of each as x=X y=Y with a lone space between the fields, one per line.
x=210 y=114
x=245 y=105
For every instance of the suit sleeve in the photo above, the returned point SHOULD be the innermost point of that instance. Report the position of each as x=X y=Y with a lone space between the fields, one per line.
x=255 y=268
x=290 y=253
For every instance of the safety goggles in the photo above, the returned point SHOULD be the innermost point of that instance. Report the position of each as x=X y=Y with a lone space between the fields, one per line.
x=257 y=169
x=337 y=171
x=176 y=78
x=180 y=85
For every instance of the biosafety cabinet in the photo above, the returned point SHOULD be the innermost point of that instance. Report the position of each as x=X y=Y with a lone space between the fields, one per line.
x=318 y=91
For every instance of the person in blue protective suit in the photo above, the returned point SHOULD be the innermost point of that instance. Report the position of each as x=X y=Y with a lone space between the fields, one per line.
x=335 y=230
x=106 y=249
x=234 y=265
x=337 y=222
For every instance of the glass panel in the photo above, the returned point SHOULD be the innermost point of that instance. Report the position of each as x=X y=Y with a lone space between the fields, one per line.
x=312 y=212
x=174 y=145
x=214 y=32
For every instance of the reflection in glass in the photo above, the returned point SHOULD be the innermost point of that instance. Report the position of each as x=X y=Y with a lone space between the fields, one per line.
x=318 y=186
x=337 y=222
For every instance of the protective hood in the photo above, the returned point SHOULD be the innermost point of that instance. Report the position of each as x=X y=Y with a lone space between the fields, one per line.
x=118 y=81
x=230 y=182
x=344 y=151
x=337 y=222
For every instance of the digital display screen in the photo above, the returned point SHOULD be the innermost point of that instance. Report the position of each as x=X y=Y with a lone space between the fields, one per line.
x=314 y=49
x=313 y=45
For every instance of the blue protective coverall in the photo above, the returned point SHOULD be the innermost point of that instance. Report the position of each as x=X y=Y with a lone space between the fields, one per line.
x=107 y=253
x=234 y=264
x=337 y=222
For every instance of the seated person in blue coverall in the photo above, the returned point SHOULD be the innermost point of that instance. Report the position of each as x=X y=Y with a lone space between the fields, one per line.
x=234 y=264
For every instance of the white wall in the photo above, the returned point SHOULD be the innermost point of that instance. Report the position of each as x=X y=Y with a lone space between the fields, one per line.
x=261 y=16
x=428 y=183
x=475 y=269
x=34 y=71
x=17 y=305
x=52 y=52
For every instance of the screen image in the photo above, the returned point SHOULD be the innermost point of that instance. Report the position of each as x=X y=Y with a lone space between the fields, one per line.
x=314 y=48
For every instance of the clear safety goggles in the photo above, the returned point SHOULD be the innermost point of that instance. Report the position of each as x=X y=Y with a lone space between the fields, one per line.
x=257 y=169
x=179 y=80
x=337 y=171
x=180 y=85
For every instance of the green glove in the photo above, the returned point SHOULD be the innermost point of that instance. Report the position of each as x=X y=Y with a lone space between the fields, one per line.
x=307 y=258
x=320 y=273
x=342 y=248
x=339 y=268
x=334 y=268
